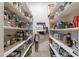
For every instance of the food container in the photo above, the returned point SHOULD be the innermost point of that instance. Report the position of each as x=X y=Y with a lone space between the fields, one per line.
x=76 y=21
x=15 y=54
x=60 y=25
x=13 y=40
x=15 y=4
x=7 y=23
x=64 y=53
x=12 y=54
x=68 y=41
x=7 y=40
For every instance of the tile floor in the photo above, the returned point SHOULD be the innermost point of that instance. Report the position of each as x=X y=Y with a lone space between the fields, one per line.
x=43 y=50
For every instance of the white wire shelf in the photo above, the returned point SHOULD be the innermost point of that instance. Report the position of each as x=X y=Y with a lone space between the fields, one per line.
x=13 y=47
x=66 y=29
x=73 y=7
x=24 y=52
x=56 y=53
x=16 y=28
x=68 y=49
x=14 y=10
x=25 y=8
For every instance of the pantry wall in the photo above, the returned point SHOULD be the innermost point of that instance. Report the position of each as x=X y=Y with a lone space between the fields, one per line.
x=1 y=29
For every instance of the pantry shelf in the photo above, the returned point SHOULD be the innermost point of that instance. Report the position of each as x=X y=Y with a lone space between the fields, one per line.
x=25 y=51
x=70 y=9
x=66 y=29
x=13 y=47
x=40 y=30
x=15 y=28
x=56 y=53
x=25 y=8
x=68 y=49
x=14 y=10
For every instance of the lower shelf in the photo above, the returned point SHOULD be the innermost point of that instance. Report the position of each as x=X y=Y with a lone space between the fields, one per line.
x=56 y=53
x=68 y=49
x=13 y=47
x=25 y=51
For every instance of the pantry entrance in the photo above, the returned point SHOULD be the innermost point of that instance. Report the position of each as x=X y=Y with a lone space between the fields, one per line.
x=40 y=24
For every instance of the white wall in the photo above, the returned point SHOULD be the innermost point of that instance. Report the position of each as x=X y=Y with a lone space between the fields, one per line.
x=1 y=29
x=40 y=12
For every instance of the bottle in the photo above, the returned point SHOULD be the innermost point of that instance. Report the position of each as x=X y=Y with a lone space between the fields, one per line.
x=7 y=40
x=68 y=41
x=71 y=25
x=13 y=40
x=22 y=24
x=67 y=25
x=19 y=36
x=60 y=24
x=13 y=20
x=7 y=18
x=76 y=21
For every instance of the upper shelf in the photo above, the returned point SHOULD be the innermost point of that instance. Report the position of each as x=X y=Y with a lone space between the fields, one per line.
x=41 y=30
x=14 y=10
x=25 y=8
x=68 y=49
x=16 y=28
x=73 y=7
x=66 y=29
